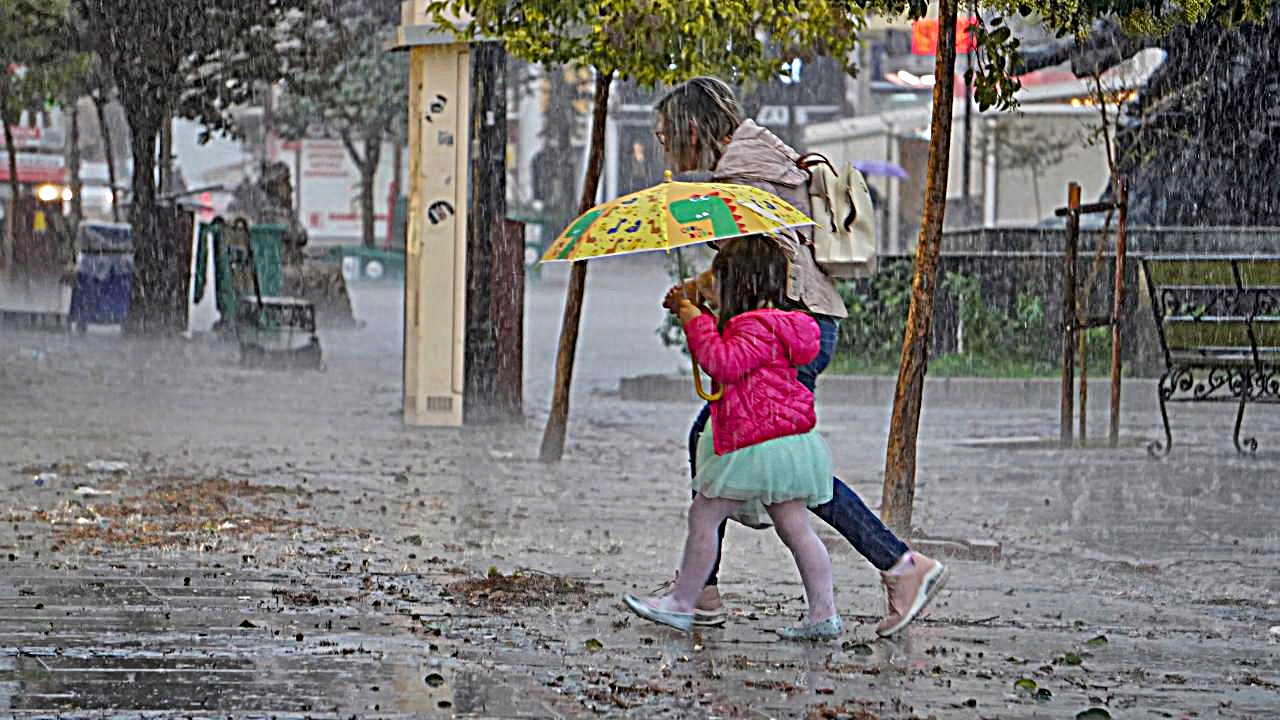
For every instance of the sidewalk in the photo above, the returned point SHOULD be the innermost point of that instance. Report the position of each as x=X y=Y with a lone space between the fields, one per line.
x=283 y=545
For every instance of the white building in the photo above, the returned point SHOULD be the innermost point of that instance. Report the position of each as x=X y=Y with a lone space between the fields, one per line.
x=1020 y=162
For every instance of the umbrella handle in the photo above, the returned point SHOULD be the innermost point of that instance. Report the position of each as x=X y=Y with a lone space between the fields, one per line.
x=697 y=385
x=716 y=394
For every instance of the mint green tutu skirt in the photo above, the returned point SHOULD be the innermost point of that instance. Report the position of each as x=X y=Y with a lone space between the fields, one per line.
x=793 y=467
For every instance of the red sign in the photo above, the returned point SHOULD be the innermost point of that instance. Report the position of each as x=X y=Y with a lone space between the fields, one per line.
x=35 y=168
x=23 y=136
x=924 y=35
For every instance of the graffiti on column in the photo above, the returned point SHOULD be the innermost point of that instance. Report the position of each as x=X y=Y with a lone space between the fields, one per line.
x=439 y=211
x=436 y=107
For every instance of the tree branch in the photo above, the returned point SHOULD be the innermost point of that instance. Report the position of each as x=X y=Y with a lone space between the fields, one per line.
x=351 y=148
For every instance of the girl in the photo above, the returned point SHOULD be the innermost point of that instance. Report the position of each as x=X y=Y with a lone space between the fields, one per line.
x=704 y=136
x=761 y=447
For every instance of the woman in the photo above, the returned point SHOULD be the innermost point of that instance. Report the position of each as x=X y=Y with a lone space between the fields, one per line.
x=700 y=127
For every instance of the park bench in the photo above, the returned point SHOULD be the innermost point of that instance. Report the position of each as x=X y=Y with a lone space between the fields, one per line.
x=273 y=331
x=1218 y=320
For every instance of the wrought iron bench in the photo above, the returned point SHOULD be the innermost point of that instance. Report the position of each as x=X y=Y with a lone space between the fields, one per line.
x=1218 y=320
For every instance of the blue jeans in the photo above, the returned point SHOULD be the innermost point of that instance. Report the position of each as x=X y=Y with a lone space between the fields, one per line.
x=845 y=511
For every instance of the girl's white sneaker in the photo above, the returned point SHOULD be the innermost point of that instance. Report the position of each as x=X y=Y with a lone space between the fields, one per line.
x=642 y=607
x=828 y=629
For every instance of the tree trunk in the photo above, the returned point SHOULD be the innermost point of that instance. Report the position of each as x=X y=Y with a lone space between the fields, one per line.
x=73 y=168
x=397 y=168
x=109 y=154
x=6 y=232
x=492 y=369
x=165 y=156
x=900 y=458
x=558 y=421
x=154 y=304
x=372 y=157
x=13 y=159
x=367 y=164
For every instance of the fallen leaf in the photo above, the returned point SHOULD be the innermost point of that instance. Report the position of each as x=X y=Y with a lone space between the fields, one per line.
x=593 y=645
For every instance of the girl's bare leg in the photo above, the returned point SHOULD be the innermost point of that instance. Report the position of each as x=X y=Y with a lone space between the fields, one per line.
x=791 y=520
x=705 y=515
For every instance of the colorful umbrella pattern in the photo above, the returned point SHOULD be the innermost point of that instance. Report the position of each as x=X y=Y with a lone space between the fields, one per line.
x=671 y=215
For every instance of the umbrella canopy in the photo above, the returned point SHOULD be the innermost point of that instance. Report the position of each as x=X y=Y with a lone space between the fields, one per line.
x=671 y=215
x=883 y=168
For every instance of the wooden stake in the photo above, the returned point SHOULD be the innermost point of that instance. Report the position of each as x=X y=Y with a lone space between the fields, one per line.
x=1117 y=308
x=1069 y=314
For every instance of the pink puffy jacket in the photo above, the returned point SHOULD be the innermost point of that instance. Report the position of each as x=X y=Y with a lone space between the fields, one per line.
x=755 y=362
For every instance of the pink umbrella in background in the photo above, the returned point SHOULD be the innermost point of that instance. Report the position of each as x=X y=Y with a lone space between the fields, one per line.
x=882 y=168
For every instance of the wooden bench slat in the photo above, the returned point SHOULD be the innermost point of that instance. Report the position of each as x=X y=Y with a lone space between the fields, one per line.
x=1259 y=272
x=1192 y=273
x=1194 y=334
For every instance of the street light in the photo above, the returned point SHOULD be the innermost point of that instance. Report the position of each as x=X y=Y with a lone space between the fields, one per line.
x=48 y=193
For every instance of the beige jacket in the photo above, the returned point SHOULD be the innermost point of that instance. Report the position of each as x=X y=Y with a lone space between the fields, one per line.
x=756 y=157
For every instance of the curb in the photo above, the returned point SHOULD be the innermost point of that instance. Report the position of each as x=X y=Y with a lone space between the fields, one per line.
x=1137 y=394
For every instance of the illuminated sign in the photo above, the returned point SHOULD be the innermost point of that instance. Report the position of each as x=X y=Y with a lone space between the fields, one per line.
x=924 y=35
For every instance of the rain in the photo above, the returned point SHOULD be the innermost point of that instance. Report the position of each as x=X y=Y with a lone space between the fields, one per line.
x=349 y=353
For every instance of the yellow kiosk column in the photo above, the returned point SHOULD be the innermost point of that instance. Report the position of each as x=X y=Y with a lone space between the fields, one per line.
x=436 y=247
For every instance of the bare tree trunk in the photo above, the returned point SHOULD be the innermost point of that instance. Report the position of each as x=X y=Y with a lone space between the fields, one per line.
x=492 y=369
x=165 y=157
x=73 y=168
x=900 y=457
x=397 y=168
x=154 y=307
x=6 y=233
x=558 y=421
x=109 y=153
x=368 y=166
x=372 y=157
x=13 y=157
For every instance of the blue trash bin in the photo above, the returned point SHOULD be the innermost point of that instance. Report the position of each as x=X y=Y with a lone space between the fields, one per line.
x=101 y=291
x=104 y=275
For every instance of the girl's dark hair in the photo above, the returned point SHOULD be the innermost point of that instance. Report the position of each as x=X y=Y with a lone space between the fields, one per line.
x=751 y=273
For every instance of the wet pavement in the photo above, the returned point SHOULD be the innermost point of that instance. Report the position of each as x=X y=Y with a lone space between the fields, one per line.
x=281 y=545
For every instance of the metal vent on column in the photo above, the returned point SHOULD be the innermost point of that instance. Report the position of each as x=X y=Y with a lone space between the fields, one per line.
x=440 y=404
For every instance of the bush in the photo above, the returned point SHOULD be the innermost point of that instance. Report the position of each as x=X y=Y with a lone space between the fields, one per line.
x=989 y=340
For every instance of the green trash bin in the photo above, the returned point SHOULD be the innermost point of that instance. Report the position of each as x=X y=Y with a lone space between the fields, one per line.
x=232 y=279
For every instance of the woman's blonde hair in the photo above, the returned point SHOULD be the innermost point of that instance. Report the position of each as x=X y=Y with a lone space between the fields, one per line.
x=704 y=104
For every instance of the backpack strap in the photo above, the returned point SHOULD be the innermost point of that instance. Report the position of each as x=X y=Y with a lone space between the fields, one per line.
x=809 y=160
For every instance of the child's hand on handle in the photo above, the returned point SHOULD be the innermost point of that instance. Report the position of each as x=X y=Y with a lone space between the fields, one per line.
x=687 y=311
x=671 y=301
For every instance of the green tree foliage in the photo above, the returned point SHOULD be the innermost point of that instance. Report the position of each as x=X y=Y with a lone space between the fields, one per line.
x=37 y=63
x=658 y=41
x=666 y=41
x=352 y=90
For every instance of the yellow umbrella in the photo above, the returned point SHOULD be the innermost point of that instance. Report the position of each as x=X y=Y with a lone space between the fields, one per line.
x=671 y=215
